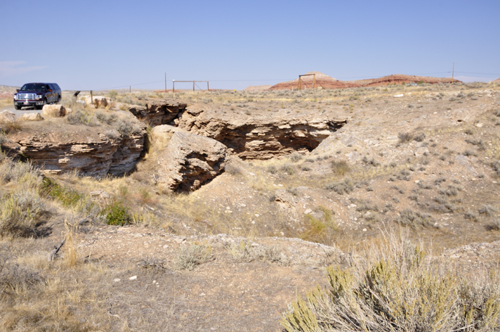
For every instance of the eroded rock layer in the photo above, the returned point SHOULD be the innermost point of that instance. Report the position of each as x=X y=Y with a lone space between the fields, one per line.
x=83 y=149
x=158 y=113
x=190 y=161
x=250 y=136
x=262 y=137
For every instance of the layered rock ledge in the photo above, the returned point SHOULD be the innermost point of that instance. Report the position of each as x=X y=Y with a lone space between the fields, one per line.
x=88 y=150
x=257 y=135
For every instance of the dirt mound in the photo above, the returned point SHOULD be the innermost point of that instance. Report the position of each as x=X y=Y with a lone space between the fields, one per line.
x=327 y=82
x=322 y=80
x=496 y=81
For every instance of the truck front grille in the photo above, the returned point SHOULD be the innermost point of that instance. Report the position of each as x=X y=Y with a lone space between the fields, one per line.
x=28 y=96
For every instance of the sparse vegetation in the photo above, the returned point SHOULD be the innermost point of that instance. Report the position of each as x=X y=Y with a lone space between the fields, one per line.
x=191 y=256
x=398 y=289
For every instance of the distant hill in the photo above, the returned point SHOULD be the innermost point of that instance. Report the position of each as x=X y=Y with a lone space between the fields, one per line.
x=326 y=82
x=257 y=87
x=496 y=81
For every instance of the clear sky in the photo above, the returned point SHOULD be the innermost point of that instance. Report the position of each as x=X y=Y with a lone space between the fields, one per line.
x=112 y=44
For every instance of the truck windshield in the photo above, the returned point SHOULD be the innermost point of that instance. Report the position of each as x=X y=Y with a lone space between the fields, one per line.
x=32 y=87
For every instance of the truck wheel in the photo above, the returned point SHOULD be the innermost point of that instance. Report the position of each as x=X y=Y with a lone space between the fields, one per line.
x=17 y=107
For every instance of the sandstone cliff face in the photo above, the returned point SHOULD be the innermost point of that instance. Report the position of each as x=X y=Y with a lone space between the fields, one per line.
x=81 y=148
x=250 y=136
x=262 y=137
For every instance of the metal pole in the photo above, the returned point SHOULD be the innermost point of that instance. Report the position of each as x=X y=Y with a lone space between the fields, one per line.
x=91 y=98
x=173 y=86
x=208 y=86
x=193 y=85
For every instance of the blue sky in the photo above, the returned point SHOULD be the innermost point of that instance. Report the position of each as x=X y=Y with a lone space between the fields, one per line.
x=114 y=44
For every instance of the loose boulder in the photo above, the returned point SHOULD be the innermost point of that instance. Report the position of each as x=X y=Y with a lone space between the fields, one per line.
x=53 y=111
x=190 y=161
x=97 y=101
x=31 y=117
x=7 y=117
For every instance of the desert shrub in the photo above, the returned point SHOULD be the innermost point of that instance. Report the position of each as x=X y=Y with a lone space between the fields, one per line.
x=11 y=171
x=116 y=214
x=112 y=134
x=471 y=215
x=272 y=169
x=450 y=191
x=296 y=156
x=14 y=277
x=112 y=94
x=319 y=229
x=346 y=186
x=21 y=213
x=340 y=167
x=487 y=210
x=371 y=162
x=496 y=167
x=405 y=137
x=190 y=256
x=413 y=219
x=233 y=169
x=398 y=289
x=66 y=196
x=78 y=117
x=419 y=137
x=288 y=169
x=105 y=117
x=127 y=127
x=494 y=226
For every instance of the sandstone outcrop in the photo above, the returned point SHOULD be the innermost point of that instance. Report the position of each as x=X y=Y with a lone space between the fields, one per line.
x=261 y=136
x=6 y=117
x=84 y=149
x=53 y=111
x=190 y=161
x=250 y=136
x=159 y=113
x=32 y=116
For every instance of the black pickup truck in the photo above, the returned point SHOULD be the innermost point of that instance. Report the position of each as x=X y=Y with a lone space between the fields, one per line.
x=36 y=95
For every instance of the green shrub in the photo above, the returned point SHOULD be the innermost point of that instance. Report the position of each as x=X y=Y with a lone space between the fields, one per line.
x=399 y=289
x=116 y=214
x=319 y=229
x=67 y=197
